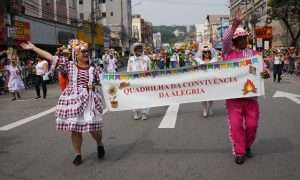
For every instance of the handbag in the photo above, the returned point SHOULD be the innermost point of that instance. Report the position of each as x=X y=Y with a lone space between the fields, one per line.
x=46 y=77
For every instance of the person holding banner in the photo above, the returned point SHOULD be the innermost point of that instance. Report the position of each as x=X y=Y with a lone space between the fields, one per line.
x=244 y=111
x=136 y=63
x=80 y=107
x=205 y=56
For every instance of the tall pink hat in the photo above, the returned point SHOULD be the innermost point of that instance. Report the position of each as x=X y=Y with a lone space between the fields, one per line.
x=240 y=32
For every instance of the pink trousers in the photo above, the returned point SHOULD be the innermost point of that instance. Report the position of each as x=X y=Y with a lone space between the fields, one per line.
x=243 y=115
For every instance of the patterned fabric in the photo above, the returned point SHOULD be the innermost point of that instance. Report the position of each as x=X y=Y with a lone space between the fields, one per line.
x=83 y=77
x=78 y=108
x=79 y=124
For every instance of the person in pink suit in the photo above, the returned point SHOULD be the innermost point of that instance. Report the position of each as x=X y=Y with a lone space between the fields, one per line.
x=243 y=113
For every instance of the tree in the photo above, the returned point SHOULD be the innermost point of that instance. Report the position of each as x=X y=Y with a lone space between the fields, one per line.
x=288 y=11
x=167 y=33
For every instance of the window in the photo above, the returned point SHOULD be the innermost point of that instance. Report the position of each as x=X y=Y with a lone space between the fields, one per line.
x=80 y=1
x=81 y=16
x=104 y=14
x=111 y=13
x=72 y=4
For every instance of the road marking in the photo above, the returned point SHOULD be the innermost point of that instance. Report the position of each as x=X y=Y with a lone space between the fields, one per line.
x=169 y=120
x=26 y=120
x=290 y=96
x=31 y=118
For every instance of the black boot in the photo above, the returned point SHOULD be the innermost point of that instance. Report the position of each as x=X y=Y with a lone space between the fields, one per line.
x=78 y=160
x=14 y=97
x=18 y=95
x=101 y=152
x=240 y=160
x=249 y=153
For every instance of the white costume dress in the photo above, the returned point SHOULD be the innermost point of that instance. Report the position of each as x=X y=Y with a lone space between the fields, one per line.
x=15 y=82
x=111 y=67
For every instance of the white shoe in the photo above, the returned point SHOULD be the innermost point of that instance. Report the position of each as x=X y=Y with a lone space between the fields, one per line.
x=136 y=116
x=144 y=117
x=205 y=114
x=210 y=112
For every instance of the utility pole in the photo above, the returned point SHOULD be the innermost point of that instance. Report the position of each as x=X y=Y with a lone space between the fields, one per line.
x=122 y=26
x=93 y=28
x=9 y=22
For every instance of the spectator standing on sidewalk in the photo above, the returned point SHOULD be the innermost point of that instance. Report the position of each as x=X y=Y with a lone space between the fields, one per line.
x=291 y=57
x=41 y=78
x=206 y=56
x=139 y=62
x=277 y=66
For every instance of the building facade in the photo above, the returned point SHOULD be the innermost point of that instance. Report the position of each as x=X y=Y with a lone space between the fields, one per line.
x=157 y=42
x=216 y=26
x=142 y=31
x=48 y=24
x=117 y=15
x=257 y=19
x=202 y=35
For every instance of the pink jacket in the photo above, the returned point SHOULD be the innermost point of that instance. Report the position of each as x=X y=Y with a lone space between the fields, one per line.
x=229 y=52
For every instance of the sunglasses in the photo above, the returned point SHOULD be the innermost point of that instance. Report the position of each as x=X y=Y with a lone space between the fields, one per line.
x=84 y=51
x=206 y=52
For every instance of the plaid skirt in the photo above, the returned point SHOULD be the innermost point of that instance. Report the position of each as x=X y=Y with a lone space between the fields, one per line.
x=79 y=112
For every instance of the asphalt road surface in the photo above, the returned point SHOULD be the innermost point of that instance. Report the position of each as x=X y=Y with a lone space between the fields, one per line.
x=195 y=149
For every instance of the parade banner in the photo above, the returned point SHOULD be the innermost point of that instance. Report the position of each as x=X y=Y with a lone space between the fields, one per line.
x=210 y=82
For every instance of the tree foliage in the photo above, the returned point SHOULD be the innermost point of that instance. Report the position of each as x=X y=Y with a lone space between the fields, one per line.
x=167 y=33
x=288 y=11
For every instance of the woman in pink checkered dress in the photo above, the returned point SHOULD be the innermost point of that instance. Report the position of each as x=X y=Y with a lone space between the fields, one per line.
x=79 y=108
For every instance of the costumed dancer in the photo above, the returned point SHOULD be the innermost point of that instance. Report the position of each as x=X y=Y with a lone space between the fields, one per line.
x=136 y=63
x=111 y=63
x=243 y=113
x=80 y=106
x=15 y=83
x=205 y=56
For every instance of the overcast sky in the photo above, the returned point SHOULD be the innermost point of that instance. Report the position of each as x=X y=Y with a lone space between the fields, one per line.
x=178 y=12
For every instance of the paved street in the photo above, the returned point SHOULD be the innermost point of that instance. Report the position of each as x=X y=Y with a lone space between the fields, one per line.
x=195 y=149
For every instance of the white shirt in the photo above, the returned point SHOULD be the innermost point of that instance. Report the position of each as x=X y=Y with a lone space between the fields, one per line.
x=277 y=60
x=40 y=69
x=138 y=63
x=175 y=57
